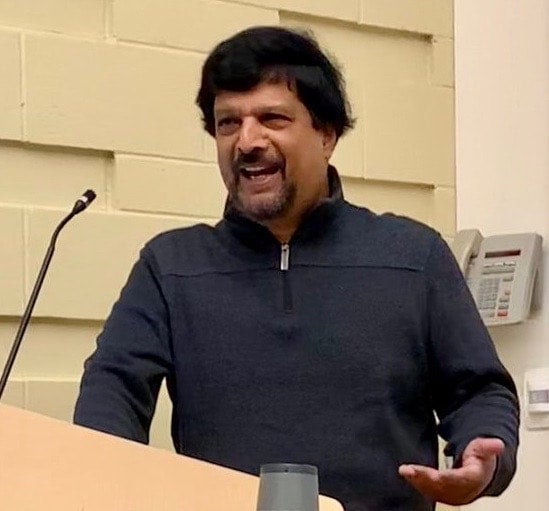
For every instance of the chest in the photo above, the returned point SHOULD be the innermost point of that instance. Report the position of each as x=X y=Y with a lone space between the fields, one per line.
x=362 y=327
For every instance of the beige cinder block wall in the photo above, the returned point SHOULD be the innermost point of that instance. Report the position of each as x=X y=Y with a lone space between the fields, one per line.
x=100 y=94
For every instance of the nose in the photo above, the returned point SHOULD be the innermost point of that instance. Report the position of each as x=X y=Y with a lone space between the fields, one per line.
x=251 y=136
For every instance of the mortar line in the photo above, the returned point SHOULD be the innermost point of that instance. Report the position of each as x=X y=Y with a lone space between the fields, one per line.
x=23 y=88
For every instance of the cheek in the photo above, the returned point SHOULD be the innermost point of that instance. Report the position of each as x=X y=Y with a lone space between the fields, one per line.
x=306 y=165
x=222 y=150
x=224 y=159
x=303 y=155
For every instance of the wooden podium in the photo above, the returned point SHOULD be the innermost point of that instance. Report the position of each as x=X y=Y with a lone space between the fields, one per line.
x=46 y=464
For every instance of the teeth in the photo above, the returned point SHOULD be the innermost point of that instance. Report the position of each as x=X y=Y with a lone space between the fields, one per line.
x=257 y=172
x=254 y=169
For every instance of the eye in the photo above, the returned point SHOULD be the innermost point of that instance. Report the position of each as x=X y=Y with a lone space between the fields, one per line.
x=227 y=125
x=275 y=120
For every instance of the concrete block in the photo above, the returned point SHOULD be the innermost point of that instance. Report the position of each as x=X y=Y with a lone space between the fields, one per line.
x=12 y=257
x=444 y=210
x=349 y=10
x=160 y=433
x=399 y=198
x=424 y=16
x=112 y=96
x=93 y=258
x=348 y=155
x=442 y=63
x=14 y=393
x=168 y=186
x=210 y=149
x=10 y=86
x=409 y=134
x=84 y=17
x=384 y=197
x=341 y=44
x=50 y=176
x=369 y=56
x=52 y=397
x=432 y=206
x=51 y=348
x=366 y=58
x=192 y=24
x=392 y=59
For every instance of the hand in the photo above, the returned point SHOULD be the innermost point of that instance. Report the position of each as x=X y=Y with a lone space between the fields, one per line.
x=457 y=486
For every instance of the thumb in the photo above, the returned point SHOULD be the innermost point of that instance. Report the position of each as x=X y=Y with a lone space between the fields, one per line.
x=483 y=448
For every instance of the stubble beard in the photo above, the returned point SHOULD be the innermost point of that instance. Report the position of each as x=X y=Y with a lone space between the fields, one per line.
x=263 y=209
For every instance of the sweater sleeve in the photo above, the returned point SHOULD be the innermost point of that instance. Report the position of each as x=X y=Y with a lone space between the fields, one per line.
x=122 y=377
x=474 y=396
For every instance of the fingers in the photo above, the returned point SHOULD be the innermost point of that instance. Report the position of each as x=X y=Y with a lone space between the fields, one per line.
x=415 y=471
x=461 y=485
x=455 y=476
x=454 y=487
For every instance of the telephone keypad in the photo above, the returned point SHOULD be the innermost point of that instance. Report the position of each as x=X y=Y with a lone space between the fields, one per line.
x=492 y=298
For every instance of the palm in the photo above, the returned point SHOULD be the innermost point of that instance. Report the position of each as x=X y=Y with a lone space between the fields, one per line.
x=461 y=485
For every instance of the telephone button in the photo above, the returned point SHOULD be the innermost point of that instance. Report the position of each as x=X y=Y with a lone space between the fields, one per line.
x=497 y=270
x=503 y=314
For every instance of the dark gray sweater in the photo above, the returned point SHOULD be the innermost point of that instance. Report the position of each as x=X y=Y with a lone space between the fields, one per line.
x=338 y=361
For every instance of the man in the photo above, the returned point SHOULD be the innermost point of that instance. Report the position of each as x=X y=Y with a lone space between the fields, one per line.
x=301 y=328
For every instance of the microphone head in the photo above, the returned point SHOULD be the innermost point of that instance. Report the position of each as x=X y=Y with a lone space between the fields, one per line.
x=90 y=195
x=83 y=201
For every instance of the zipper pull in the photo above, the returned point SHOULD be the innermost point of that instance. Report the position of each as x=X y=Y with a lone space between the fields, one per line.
x=285 y=257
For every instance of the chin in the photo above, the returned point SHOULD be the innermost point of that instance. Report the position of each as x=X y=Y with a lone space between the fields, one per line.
x=262 y=209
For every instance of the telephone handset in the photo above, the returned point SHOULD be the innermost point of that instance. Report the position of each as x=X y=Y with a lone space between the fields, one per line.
x=500 y=272
x=465 y=248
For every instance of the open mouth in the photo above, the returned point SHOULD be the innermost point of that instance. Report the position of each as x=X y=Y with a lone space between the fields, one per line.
x=257 y=172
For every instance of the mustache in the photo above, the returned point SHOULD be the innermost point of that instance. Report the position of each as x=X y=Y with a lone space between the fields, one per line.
x=257 y=158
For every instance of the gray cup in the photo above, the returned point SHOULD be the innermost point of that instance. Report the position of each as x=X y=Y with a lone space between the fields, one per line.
x=288 y=487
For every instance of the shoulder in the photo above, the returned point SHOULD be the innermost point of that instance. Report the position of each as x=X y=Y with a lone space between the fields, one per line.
x=390 y=239
x=182 y=237
x=176 y=250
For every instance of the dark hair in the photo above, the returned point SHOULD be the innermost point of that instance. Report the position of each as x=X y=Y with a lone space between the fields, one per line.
x=276 y=54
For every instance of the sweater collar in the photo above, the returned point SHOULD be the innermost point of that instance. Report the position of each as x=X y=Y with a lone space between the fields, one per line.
x=313 y=224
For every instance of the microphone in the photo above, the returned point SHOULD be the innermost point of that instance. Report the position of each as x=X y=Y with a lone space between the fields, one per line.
x=83 y=202
x=80 y=205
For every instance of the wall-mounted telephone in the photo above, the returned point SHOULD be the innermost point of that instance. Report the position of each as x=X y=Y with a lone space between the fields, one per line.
x=500 y=272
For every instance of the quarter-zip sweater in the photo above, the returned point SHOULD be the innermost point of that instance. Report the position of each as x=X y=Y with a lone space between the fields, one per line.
x=332 y=350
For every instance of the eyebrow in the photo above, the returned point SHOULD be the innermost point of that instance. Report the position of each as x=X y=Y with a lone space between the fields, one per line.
x=223 y=112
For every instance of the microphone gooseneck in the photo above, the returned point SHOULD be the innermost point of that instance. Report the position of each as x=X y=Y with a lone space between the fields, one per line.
x=80 y=205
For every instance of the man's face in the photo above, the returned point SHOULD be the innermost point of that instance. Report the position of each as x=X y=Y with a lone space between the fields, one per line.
x=272 y=160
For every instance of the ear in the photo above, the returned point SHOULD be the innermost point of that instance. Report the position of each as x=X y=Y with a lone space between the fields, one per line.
x=329 y=141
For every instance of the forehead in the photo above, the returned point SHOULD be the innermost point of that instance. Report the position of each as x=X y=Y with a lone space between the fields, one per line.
x=264 y=96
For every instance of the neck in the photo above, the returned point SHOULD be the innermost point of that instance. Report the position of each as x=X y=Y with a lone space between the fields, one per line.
x=284 y=228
